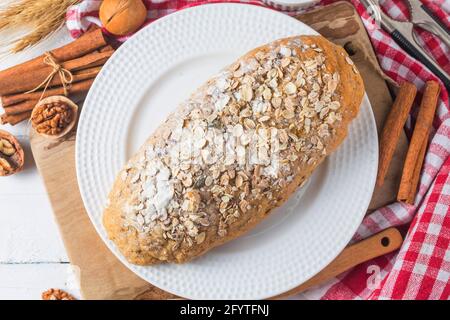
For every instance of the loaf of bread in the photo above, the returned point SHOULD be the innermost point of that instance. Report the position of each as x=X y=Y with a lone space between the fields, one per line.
x=238 y=148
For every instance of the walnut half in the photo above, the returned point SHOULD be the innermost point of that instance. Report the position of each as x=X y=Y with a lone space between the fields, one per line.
x=11 y=154
x=53 y=117
x=56 y=294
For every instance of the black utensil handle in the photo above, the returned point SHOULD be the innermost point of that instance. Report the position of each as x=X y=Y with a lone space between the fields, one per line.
x=408 y=47
x=436 y=19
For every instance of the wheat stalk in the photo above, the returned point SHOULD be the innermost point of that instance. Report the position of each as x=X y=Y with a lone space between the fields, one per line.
x=43 y=16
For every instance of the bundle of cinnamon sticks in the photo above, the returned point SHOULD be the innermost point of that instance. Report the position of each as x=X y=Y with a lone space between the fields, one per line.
x=84 y=59
x=418 y=145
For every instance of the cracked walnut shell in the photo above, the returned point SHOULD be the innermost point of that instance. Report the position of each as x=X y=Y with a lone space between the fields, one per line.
x=11 y=154
x=54 y=117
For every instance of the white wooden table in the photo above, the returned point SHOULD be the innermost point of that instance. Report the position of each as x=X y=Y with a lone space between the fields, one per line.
x=32 y=255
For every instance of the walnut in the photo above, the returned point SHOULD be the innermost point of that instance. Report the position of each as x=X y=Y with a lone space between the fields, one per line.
x=54 y=117
x=56 y=294
x=122 y=17
x=11 y=154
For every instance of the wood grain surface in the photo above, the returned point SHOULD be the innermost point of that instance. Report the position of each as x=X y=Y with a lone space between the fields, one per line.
x=103 y=276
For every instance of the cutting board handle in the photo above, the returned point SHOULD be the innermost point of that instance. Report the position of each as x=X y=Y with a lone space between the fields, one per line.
x=384 y=242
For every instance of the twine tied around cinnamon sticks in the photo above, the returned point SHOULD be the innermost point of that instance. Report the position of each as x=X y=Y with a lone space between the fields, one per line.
x=65 y=75
x=21 y=86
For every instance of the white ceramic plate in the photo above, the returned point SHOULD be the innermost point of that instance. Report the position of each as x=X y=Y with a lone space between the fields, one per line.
x=291 y=5
x=145 y=80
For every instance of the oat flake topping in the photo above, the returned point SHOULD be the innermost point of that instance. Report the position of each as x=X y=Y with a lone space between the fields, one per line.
x=259 y=122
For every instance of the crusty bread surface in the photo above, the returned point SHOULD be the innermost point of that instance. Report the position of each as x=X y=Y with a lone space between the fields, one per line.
x=168 y=206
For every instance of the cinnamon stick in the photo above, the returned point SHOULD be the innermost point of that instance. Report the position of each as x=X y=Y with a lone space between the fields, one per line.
x=78 y=76
x=106 y=48
x=24 y=106
x=88 y=61
x=85 y=44
x=420 y=135
x=393 y=127
x=14 y=119
x=30 y=80
x=416 y=175
x=32 y=99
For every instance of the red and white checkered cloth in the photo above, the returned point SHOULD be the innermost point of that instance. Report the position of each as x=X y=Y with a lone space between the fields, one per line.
x=421 y=268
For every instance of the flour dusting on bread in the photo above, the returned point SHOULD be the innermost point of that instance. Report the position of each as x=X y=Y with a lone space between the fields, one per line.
x=235 y=150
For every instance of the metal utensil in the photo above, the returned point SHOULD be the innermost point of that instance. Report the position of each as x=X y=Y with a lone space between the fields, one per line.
x=402 y=33
x=422 y=17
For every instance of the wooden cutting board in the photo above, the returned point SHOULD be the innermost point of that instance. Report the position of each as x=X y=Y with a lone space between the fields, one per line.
x=102 y=276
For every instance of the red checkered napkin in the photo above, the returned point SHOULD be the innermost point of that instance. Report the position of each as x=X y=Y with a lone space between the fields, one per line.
x=421 y=268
